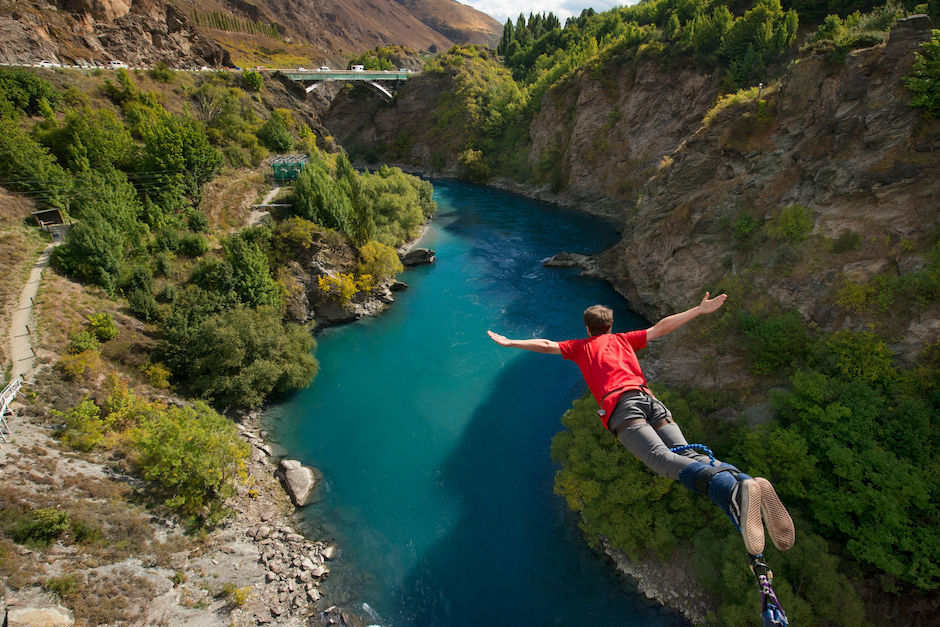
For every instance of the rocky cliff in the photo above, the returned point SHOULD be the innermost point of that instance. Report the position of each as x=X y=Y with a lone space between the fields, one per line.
x=837 y=139
x=840 y=140
x=198 y=32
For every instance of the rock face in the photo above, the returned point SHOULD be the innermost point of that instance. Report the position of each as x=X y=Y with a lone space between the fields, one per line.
x=299 y=481
x=840 y=140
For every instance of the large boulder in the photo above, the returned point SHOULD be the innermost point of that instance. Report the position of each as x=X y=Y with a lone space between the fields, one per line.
x=39 y=617
x=299 y=481
x=418 y=257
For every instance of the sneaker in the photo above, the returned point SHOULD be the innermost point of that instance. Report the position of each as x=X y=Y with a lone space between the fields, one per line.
x=745 y=511
x=778 y=521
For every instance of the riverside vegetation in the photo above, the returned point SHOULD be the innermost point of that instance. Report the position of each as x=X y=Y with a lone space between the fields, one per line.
x=178 y=297
x=845 y=421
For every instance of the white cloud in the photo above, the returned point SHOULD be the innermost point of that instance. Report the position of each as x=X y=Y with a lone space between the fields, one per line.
x=500 y=10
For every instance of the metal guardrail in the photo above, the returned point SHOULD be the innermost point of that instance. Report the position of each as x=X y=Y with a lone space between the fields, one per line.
x=345 y=75
x=6 y=397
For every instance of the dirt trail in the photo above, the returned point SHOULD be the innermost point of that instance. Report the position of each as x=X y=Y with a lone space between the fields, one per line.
x=21 y=352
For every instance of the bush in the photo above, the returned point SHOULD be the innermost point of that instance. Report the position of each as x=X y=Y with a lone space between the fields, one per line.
x=74 y=366
x=251 y=80
x=81 y=342
x=103 y=326
x=83 y=426
x=161 y=71
x=158 y=376
x=774 y=342
x=924 y=81
x=790 y=225
x=241 y=356
x=194 y=455
x=274 y=134
x=41 y=527
x=192 y=245
x=343 y=287
x=379 y=260
x=65 y=587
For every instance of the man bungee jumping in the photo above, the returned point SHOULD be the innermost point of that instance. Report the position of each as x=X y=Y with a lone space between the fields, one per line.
x=645 y=426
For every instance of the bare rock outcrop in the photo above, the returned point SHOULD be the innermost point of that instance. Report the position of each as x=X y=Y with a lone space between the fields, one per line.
x=299 y=481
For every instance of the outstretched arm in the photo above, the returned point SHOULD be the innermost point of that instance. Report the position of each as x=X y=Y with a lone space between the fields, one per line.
x=673 y=322
x=535 y=345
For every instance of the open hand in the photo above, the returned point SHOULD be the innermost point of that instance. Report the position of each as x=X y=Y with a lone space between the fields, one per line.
x=709 y=305
x=502 y=340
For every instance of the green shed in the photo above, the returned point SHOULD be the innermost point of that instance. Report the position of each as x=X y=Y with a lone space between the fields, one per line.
x=287 y=167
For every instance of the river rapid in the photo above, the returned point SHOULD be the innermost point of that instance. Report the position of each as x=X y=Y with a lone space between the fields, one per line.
x=434 y=442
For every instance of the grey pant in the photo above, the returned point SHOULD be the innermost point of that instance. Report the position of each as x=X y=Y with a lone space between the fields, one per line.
x=651 y=446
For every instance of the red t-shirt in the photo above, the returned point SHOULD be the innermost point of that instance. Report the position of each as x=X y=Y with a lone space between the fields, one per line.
x=608 y=363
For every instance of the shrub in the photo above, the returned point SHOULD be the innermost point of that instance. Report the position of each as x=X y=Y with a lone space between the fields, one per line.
x=274 y=134
x=65 y=587
x=342 y=287
x=860 y=355
x=161 y=71
x=73 y=366
x=41 y=527
x=103 y=326
x=192 y=245
x=158 y=376
x=81 y=342
x=194 y=455
x=251 y=80
x=774 y=342
x=791 y=224
x=83 y=426
x=241 y=356
x=847 y=240
x=379 y=260
x=924 y=81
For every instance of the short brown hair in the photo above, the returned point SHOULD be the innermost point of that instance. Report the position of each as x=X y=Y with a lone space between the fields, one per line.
x=598 y=319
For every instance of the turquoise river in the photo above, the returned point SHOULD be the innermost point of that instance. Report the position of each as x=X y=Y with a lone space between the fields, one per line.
x=434 y=442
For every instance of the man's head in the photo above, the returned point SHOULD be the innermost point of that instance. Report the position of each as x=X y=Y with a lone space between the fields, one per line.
x=598 y=319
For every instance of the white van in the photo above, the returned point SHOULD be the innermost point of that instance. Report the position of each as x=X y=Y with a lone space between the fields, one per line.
x=358 y=68
x=113 y=65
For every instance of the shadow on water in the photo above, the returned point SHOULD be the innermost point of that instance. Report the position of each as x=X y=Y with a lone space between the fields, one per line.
x=506 y=530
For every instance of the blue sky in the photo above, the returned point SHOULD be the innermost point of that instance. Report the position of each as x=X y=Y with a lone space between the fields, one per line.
x=501 y=9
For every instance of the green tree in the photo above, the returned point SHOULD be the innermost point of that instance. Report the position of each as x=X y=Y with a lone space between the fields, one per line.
x=242 y=356
x=91 y=140
x=28 y=166
x=25 y=90
x=194 y=455
x=251 y=274
x=379 y=260
x=274 y=134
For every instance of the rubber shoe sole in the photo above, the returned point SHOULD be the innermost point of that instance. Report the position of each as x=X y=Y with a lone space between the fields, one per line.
x=748 y=501
x=775 y=515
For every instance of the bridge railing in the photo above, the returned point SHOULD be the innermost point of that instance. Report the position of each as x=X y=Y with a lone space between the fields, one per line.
x=346 y=75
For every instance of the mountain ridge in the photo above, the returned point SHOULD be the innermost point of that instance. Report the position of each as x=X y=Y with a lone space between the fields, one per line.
x=231 y=32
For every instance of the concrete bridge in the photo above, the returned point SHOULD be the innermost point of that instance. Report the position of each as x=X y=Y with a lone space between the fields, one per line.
x=374 y=78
